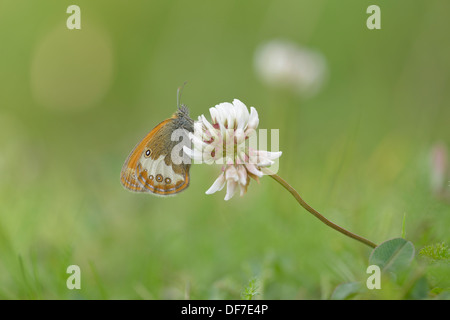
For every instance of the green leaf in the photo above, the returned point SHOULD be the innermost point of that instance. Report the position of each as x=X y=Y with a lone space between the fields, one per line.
x=346 y=290
x=419 y=290
x=393 y=255
x=251 y=290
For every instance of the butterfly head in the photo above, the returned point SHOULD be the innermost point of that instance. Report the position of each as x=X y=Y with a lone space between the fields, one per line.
x=183 y=119
x=182 y=114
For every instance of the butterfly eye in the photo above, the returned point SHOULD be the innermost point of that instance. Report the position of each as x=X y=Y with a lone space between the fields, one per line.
x=148 y=152
x=168 y=180
x=159 y=178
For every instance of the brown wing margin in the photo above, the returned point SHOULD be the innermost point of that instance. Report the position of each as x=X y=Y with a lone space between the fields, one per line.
x=128 y=175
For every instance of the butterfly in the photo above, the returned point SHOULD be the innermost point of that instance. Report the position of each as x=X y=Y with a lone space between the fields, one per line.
x=154 y=164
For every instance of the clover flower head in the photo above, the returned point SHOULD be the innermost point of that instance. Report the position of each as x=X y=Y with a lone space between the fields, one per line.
x=230 y=139
x=439 y=167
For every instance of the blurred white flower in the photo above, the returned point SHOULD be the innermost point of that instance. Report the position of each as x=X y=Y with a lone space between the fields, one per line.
x=286 y=65
x=227 y=140
x=439 y=168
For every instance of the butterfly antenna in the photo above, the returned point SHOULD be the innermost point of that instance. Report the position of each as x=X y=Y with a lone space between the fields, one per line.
x=179 y=91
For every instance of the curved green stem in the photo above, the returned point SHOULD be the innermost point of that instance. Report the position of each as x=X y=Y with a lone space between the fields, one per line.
x=315 y=212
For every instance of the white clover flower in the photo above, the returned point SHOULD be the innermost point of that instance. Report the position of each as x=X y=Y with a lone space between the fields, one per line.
x=227 y=140
x=439 y=167
x=284 y=64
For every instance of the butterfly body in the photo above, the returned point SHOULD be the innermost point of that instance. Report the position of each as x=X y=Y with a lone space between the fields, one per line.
x=153 y=166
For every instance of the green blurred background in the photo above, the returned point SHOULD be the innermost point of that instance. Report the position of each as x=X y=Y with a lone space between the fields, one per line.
x=75 y=102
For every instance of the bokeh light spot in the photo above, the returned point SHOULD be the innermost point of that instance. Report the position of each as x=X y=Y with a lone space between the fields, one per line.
x=71 y=69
